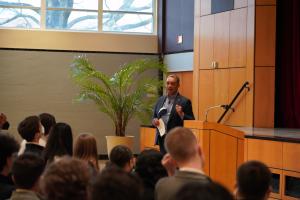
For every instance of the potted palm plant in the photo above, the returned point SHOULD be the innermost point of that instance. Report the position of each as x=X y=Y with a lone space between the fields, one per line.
x=124 y=95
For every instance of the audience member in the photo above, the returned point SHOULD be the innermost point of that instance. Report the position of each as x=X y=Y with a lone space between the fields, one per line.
x=26 y=172
x=8 y=147
x=30 y=130
x=60 y=142
x=253 y=181
x=149 y=168
x=67 y=178
x=208 y=191
x=86 y=149
x=184 y=151
x=115 y=184
x=47 y=121
x=121 y=156
x=4 y=124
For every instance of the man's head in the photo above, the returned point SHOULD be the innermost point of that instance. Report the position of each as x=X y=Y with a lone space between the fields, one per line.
x=253 y=180
x=122 y=157
x=68 y=178
x=115 y=184
x=172 y=84
x=26 y=170
x=30 y=129
x=8 y=146
x=182 y=145
x=47 y=120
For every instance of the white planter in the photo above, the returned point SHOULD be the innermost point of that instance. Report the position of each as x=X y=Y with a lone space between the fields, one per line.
x=112 y=141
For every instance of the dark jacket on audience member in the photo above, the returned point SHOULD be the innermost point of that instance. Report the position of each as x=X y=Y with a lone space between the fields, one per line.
x=34 y=148
x=6 y=187
x=167 y=187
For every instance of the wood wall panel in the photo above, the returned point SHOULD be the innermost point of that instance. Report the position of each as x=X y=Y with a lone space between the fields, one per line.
x=240 y=3
x=264 y=97
x=196 y=66
x=269 y=152
x=290 y=152
x=206 y=41
x=186 y=85
x=223 y=163
x=237 y=78
x=205 y=7
x=221 y=39
x=265 y=34
x=265 y=2
x=206 y=93
x=238 y=38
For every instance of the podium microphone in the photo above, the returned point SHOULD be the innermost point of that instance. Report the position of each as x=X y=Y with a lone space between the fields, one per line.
x=213 y=107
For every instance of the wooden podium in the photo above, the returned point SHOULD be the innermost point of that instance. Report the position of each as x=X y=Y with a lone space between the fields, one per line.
x=223 y=148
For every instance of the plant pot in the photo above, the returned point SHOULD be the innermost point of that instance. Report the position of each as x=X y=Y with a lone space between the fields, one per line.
x=113 y=141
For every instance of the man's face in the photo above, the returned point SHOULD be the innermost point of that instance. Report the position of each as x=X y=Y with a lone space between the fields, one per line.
x=172 y=86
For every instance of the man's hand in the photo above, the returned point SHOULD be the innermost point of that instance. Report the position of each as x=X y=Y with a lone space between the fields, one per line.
x=179 y=111
x=169 y=164
x=155 y=122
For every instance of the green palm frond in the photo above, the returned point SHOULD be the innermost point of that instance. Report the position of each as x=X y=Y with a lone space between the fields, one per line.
x=128 y=93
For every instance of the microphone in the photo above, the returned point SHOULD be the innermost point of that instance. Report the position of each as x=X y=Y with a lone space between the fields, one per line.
x=224 y=106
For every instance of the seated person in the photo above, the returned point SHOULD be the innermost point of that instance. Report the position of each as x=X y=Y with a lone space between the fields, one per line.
x=122 y=157
x=209 y=191
x=47 y=121
x=8 y=147
x=116 y=184
x=4 y=124
x=67 y=178
x=30 y=130
x=253 y=181
x=26 y=172
x=149 y=168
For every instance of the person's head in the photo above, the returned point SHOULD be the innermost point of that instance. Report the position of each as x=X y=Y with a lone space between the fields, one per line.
x=86 y=149
x=26 y=171
x=122 y=157
x=183 y=146
x=115 y=184
x=68 y=178
x=47 y=120
x=172 y=84
x=60 y=141
x=149 y=168
x=253 y=180
x=201 y=191
x=8 y=146
x=3 y=122
x=30 y=129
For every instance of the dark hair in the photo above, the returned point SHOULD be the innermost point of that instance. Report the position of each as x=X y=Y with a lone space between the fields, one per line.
x=203 y=191
x=149 y=168
x=115 y=184
x=120 y=155
x=29 y=127
x=60 y=142
x=27 y=169
x=68 y=178
x=8 y=146
x=253 y=180
x=47 y=120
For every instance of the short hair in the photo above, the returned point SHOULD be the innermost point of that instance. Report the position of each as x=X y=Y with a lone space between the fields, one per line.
x=203 y=191
x=120 y=155
x=115 y=184
x=60 y=142
x=253 y=180
x=181 y=144
x=175 y=77
x=8 y=146
x=86 y=148
x=149 y=168
x=29 y=127
x=47 y=120
x=67 y=178
x=27 y=169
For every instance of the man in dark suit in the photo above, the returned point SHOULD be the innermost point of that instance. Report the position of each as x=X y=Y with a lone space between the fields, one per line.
x=172 y=108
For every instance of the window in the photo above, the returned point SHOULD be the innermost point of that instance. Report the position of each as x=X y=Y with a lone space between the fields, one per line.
x=81 y=15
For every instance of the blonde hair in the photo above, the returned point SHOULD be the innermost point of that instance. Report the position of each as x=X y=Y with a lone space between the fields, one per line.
x=86 y=149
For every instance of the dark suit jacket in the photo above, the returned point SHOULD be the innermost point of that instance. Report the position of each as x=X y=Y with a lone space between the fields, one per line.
x=174 y=119
x=166 y=188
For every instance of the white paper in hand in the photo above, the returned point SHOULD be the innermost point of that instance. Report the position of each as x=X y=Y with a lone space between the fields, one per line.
x=161 y=127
